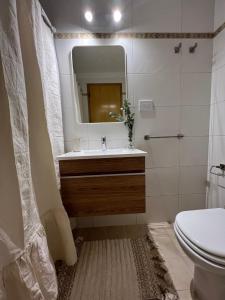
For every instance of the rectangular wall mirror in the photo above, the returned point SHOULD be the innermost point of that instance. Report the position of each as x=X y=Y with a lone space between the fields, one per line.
x=99 y=82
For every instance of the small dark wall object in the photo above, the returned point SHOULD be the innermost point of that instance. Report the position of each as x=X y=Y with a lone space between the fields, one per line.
x=178 y=48
x=192 y=48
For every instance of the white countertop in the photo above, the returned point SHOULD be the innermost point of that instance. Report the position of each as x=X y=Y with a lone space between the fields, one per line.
x=85 y=154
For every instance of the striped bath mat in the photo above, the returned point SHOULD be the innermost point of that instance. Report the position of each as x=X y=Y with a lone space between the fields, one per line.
x=116 y=269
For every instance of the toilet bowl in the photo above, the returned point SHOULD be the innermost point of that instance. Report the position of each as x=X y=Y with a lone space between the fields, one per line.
x=201 y=234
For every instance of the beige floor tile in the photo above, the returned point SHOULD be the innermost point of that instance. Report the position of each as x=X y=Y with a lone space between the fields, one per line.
x=189 y=264
x=171 y=232
x=158 y=232
x=167 y=247
x=180 y=266
x=180 y=273
x=185 y=295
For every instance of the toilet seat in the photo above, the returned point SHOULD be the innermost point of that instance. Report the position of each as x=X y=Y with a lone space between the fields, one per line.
x=207 y=256
x=204 y=232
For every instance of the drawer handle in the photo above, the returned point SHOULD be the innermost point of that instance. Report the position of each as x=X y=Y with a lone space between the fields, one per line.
x=102 y=175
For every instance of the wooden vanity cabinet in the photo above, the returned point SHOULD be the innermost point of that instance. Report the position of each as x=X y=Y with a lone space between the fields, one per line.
x=103 y=186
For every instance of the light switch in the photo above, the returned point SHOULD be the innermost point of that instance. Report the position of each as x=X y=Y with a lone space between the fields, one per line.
x=146 y=105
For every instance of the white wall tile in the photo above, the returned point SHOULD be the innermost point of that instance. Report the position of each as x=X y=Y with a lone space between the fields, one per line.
x=130 y=88
x=192 y=201
x=193 y=151
x=72 y=129
x=63 y=50
x=159 y=209
x=110 y=130
x=154 y=55
x=162 y=208
x=68 y=123
x=156 y=16
x=201 y=59
x=161 y=87
x=110 y=143
x=193 y=180
x=197 y=15
x=195 y=120
x=162 y=181
x=118 y=143
x=195 y=88
x=67 y=93
x=71 y=145
x=141 y=144
x=161 y=152
x=162 y=121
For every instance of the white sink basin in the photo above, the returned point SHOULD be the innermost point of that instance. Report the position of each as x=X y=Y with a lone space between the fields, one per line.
x=102 y=153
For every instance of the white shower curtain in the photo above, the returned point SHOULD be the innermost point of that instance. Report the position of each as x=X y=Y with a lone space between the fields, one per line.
x=28 y=187
x=50 y=83
x=47 y=141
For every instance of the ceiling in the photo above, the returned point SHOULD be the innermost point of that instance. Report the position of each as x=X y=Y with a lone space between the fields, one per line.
x=69 y=15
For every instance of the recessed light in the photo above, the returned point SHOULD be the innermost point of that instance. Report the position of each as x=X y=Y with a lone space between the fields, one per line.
x=88 y=16
x=117 y=15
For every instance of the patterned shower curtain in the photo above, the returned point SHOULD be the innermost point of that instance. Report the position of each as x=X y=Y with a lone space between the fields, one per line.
x=29 y=196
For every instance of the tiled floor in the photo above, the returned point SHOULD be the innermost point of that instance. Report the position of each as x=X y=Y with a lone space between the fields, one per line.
x=180 y=266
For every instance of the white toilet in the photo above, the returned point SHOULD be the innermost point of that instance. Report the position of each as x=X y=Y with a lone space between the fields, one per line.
x=201 y=234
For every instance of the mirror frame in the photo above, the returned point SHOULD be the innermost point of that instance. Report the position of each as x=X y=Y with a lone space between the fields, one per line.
x=77 y=117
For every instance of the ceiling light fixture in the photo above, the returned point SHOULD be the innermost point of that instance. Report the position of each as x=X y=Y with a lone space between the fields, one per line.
x=117 y=15
x=88 y=16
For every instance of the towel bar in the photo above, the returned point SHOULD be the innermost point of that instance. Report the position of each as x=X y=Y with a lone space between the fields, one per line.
x=178 y=136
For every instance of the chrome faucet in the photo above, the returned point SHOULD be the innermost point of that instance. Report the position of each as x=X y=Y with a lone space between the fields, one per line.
x=103 y=142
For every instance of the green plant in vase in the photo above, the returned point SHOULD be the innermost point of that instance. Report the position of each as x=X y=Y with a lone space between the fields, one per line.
x=128 y=118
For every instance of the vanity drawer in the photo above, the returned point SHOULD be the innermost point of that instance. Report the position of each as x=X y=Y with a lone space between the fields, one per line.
x=103 y=195
x=102 y=166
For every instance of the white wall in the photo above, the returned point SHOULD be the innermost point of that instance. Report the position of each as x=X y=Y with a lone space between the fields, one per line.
x=216 y=191
x=179 y=85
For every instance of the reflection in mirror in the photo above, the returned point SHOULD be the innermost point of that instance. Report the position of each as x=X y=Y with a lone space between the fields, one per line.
x=99 y=82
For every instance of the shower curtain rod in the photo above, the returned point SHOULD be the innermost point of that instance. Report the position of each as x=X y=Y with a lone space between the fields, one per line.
x=47 y=22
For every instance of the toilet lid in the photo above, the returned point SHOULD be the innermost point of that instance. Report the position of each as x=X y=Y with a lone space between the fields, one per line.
x=205 y=229
x=210 y=257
